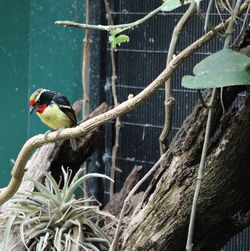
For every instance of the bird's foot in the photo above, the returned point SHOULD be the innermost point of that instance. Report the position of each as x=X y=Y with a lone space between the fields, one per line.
x=59 y=131
x=47 y=133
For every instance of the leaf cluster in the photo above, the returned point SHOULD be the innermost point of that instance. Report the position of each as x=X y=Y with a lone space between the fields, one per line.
x=53 y=219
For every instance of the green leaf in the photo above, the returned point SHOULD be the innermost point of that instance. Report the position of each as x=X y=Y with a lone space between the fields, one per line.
x=80 y=181
x=223 y=68
x=117 y=40
x=122 y=39
x=53 y=183
x=169 y=5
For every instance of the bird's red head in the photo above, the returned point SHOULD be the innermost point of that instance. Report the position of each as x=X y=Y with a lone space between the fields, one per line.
x=35 y=104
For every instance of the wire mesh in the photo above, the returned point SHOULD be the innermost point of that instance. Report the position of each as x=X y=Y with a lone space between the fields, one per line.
x=240 y=242
x=138 y=63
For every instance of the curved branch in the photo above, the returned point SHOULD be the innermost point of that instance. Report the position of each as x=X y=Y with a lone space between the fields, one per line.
x=39 y=140
x=110 y=27
x=168 y=103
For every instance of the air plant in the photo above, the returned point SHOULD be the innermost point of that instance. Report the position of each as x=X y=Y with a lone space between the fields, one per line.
x=53 y=219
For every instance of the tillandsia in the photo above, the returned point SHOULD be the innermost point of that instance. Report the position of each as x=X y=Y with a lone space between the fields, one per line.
x=51 y=218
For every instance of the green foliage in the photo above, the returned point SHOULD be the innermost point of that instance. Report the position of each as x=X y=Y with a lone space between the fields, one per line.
x=169 y=5
x=117 y=40
x=223 y=68
x=52 y=219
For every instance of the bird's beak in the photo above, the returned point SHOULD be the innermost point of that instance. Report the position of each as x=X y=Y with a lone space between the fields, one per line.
x=33 y=107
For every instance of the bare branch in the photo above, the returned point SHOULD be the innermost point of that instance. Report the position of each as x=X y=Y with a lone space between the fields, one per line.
x=85 y=64
x=85 y=82
x=109 y=27
x=168 y=85
x=116 y=103
x=189 y=245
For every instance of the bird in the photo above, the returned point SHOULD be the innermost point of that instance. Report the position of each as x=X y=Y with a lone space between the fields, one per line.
x=54 y=110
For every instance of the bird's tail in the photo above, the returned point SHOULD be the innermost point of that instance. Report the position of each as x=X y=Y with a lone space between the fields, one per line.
x=73 y=144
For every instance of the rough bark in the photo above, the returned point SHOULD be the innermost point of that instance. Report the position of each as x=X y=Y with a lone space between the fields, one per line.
x=115 y=205
x=224 y=202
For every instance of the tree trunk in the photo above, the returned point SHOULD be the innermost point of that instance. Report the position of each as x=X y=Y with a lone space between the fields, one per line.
x=224 y=201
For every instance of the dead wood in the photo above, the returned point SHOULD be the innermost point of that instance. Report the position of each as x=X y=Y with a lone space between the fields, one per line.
x=162 y=222
x=116 y=203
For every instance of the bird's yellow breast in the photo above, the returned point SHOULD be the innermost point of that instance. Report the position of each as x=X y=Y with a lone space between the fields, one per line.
x=53 y=117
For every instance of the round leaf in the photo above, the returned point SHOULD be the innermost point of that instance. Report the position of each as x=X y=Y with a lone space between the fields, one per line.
x=223 y=68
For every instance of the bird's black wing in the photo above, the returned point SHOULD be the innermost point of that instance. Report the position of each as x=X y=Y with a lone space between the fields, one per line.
x=65 y=107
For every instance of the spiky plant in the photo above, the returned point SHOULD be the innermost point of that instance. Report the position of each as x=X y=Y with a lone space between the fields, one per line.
x=53 y=219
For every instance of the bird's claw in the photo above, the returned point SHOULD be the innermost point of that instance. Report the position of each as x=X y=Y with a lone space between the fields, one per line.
x=47 y=133
x=58 y=132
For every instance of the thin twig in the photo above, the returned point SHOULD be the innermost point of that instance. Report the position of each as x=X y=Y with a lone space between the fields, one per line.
x=189 y=244
x=222 y=103
x=85 y=84
x=116 y=103
x=126 y=201
x=218 y=10
x=207 y=14
x=114 y=155
x=229 y=30
x=229 y=6
x=209 y=25
x=243 y=26
x=85 y=65
x=110 y=27
x=128 y=105
x=202 y=100
x=168 y=85
x=222 y=7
